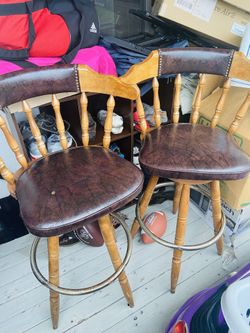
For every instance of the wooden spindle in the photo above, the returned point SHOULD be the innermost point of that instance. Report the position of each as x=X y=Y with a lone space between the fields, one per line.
x=59 y=122
x=141 y=116
x=176 y=99
x=13 y=144
x=220 y=104
x=34 y=129
x=240 y=114
x=6 y=173
x=197 y=101
x=108 y=122
x=157 y=107
x=84 y=119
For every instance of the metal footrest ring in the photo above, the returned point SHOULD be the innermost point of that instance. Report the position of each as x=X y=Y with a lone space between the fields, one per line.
x=159 y=240
x=87 y=290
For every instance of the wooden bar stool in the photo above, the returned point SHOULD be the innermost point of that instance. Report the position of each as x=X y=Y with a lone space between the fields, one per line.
x=60 y=192
x=190 y=153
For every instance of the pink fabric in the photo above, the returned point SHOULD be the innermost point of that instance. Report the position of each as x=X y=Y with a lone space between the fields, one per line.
x=95 y=57
x=6 y=67
x=44 y=61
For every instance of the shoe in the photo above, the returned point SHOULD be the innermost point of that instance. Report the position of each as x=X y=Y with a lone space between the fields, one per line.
x=137 y=123
x=149 y=116
x=117 y=121
x=53 y=142
x=136 y=152
x=47 y=123
x=30 y=141
x=92 y=127
x=116 y=149
x=33 y=149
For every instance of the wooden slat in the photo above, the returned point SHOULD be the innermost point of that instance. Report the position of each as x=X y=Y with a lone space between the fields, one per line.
x=59 y=122
x=144 y=70
x=13 y=144
x=141 y=116
x=220 y=104
x=84 y=119
x=240 y=114
x=176 y=99
x=240 y=67
x=197 y=101
x=34 y=129
x=157 y=107
x=108 y=122
x=6 y=173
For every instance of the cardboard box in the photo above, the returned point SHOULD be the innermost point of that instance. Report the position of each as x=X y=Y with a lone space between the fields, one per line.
x=236 y=219
x=214 y=19
x=236 y=193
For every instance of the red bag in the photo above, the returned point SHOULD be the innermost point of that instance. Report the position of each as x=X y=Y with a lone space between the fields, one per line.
x=52 y=35
x=29 y=28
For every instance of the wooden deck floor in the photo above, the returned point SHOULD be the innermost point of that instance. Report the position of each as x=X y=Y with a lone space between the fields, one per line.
x=24 y=305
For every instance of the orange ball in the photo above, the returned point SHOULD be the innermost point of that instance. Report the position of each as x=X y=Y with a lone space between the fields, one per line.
x=156 y=223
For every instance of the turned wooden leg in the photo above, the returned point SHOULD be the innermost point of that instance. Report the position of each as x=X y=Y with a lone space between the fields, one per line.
x=180 y=235
x=177 y=196
x=53 y=255
x=217 y=216
x=147 y=195
x=107 y=234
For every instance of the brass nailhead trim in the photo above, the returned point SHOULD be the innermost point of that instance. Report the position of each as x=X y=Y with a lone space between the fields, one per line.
x=229 y=63
x=77 y=77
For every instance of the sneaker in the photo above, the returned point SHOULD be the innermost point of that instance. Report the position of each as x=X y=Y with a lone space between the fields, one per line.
x=33 y=149
x=149 y=115
x=117 y=121
x=92 y=127
x=47 y=123
x=30 y=141
x=53 y=142
x=137 y=123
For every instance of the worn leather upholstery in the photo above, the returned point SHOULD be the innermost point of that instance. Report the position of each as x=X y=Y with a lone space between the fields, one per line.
x=186 y=151
x=195 y=60
x=18 y=86
x=68 y=189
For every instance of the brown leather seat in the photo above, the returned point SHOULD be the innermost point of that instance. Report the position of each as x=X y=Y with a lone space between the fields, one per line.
x=187 y=151
x=73 y=191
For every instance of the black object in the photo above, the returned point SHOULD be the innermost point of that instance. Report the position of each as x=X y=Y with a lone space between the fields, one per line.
x=11 y=224
x=79 y=15
x=82 y=21
x=127 y=45
x=170 y=31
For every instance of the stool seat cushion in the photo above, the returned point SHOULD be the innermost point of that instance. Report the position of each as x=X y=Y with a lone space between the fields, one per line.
x=63 y=191
x=197 y=152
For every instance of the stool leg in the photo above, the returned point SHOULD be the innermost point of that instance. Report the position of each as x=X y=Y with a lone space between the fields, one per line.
x=147 y=195
x=53 y=255
x=217 y=216
x=180 y=235
x=107 y=233
x=177 y=197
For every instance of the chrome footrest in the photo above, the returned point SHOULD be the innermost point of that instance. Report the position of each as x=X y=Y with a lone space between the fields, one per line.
x=172 y=245
x=87 y=290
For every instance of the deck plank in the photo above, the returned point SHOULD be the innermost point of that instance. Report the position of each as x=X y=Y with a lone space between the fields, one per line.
x=24 y=304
